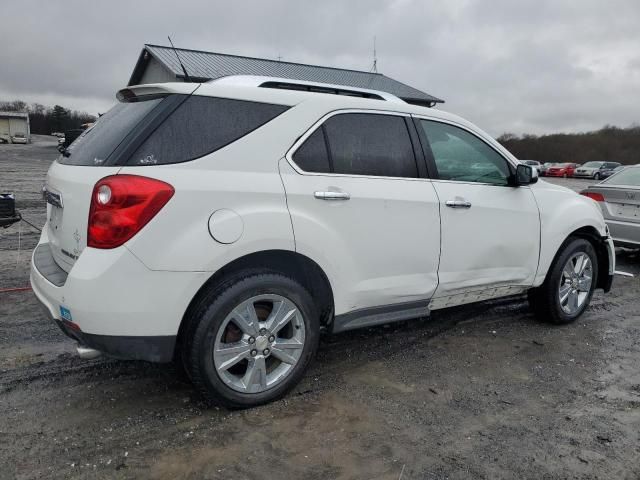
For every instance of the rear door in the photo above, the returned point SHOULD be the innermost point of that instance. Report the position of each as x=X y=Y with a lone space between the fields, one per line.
x=490 y=230
x=361 y=206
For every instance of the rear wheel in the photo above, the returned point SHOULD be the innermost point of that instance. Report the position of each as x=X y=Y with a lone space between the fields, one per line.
x=251 y=343
x=569 y=286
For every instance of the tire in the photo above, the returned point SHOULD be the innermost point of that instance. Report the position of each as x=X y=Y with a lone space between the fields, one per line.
x=546 y=299
x=565 y=175
x=216 y=318
x=596 y=176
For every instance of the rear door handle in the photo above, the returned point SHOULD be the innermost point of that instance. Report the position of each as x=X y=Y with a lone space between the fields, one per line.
x=332 y=195
x=458 y=204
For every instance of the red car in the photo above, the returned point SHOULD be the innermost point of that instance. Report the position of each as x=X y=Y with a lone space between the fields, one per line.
x=561 y=170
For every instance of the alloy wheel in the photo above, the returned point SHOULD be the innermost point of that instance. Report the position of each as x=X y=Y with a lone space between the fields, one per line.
x=575 y=283
x=259 y=343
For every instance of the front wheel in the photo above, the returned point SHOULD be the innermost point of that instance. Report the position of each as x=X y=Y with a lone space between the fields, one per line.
x=569 y=286
x=596 y=176
x=251 y=343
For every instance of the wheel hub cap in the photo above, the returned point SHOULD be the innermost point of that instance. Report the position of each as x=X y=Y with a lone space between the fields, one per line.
x=262 y=342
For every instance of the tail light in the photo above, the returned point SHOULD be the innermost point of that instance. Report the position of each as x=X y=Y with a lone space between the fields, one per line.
x=598 y=197
x=121 y=205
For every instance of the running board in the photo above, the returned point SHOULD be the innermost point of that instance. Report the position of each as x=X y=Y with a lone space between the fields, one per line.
x=369 y=317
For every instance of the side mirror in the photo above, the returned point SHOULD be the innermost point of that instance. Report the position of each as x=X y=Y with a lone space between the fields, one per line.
x=525 y=175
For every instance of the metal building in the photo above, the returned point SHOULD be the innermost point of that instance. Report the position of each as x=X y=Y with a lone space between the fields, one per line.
x=14 y=127
x=157 y=64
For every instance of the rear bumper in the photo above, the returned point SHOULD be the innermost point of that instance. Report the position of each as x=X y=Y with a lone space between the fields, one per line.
x=152 y=349
x=111 y=302
x=625 y=234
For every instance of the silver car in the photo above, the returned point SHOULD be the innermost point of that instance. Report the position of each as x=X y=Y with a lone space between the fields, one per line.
x=619 y=199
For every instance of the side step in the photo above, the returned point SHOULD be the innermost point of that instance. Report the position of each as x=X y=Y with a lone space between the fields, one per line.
x=369 y=317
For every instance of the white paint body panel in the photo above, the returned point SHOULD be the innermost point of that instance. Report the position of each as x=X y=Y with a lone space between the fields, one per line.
x=493 y=243
x=380 y=247
x=562 y=212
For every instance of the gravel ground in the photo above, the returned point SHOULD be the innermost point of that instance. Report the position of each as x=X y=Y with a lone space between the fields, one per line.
x=482 y=391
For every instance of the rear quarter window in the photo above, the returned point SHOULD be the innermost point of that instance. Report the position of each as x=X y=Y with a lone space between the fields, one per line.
x=202 y=125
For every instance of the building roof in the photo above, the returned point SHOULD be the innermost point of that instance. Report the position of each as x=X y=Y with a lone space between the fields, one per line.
x=14 y=114
x=203 y=66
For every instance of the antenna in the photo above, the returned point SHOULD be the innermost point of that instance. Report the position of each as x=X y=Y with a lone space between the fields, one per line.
x=184 y=70
x=374 y=68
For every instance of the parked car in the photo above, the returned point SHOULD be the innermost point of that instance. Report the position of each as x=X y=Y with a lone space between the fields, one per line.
x=619 y=199
x=545 y=166
x=595 y=170
x=226 y=224
x=19 y=138
x=534 y=163
x=561 y=170
x=606 y=173
x=69 y=138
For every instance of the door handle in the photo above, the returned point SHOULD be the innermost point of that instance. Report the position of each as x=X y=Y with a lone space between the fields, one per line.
x=331 y=195
x=458 y=204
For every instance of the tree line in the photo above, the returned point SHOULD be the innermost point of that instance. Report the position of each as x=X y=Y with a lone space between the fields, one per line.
x=45 y=120
x=610 y=143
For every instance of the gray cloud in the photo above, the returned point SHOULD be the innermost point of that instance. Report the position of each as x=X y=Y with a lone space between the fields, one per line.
x=532 y=66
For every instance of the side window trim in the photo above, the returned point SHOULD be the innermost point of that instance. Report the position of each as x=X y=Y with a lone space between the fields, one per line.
x=426 y=149
x=429 y=153
x=319 y=124
x=418 y=154
x=327 y=146
x=123 y=152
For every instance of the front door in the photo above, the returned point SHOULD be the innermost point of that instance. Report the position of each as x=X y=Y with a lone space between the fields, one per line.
x=490 y=230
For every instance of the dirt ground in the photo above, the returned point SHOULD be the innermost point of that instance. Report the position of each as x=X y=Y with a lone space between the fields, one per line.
x=482 y=391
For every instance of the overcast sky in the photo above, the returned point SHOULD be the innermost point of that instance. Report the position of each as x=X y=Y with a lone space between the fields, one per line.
x=510 y=66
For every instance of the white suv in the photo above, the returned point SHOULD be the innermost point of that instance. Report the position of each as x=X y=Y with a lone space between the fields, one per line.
x=227 y=224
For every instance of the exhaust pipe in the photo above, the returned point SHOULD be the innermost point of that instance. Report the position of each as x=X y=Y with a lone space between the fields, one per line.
x=87 y=353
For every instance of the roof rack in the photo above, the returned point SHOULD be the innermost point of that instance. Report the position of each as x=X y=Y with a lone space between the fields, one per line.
x=305 y=86
x=321 y=89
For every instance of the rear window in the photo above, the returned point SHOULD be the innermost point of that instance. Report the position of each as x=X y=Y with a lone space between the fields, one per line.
x=202 y=125
x=93 y=146
x=628 y=176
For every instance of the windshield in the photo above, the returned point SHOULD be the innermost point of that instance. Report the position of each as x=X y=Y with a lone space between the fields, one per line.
x=95 y=144
x=627 y=176
x=593 y=164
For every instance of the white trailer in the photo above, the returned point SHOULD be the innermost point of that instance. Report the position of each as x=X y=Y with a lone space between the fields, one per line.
x=14 y=126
